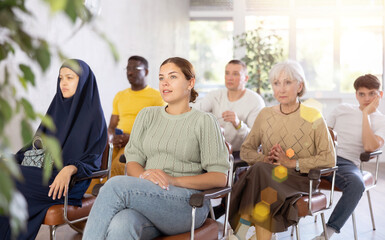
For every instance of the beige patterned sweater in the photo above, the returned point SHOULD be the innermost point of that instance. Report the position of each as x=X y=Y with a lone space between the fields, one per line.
x=304 y=131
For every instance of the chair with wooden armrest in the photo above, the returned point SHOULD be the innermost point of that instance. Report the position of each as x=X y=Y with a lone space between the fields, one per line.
x=209 y=230
x=74 y=216
x=316 y=202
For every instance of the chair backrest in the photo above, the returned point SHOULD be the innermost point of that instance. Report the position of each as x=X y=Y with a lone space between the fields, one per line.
x=104 y=164
x=333 y=135
x=107 y=158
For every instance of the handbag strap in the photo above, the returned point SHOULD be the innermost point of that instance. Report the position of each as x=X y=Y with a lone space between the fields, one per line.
x=35 y=139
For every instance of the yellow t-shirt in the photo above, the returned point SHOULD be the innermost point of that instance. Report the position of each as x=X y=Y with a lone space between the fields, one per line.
x=128 y=103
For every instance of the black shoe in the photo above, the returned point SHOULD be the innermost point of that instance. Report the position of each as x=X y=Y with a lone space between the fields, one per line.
x=219 y=211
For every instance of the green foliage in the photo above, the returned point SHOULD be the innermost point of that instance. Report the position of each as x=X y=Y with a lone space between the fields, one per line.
x=263 y=50
x=16 y=40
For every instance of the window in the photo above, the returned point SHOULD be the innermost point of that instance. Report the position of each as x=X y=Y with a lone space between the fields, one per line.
x=334 y=40
x=211 y=44
x=314 y=51
x=361 y=49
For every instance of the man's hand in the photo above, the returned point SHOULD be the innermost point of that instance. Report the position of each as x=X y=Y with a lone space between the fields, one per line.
x=230 y=116
x=60 y=184
x=372 y=107
x=120 y=141
x=158 y=177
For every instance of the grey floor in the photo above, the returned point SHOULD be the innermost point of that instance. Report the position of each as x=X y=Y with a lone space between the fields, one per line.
x=308 y=229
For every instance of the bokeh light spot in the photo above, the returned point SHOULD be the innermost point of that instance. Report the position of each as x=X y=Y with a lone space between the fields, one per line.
x=280 y=173
x=269 y=195
x=290 y=153
x=309 y=114
x=261 y=212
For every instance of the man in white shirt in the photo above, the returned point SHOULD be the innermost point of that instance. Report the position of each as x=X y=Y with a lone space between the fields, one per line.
x=235 y=106
x=359 y=128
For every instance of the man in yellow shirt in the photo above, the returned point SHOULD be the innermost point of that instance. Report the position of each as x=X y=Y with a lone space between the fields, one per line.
x=126 y=105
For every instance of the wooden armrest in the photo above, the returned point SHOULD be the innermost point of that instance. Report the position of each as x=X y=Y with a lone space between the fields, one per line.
x=122 y=158
x=197 y=199
x=315 y=173
x=366 y=156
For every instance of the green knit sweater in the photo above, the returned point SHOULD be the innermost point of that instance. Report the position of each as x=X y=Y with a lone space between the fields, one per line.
x=181 y=145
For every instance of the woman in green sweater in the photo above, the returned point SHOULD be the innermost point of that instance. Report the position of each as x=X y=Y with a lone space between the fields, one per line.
x=174 y=151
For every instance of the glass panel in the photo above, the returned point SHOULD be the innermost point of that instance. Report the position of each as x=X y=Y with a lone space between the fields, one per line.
x=252 y=5
x=361 y=49
x=278 y=24
x=211 y=5
x=211 y=47
x=361 y=3
x=315 y=52
x=315 y=3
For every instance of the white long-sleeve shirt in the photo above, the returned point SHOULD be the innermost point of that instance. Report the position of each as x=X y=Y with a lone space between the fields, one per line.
x=246 y=108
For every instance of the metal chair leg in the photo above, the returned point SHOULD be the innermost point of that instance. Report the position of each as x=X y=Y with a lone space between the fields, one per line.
x=292 y=231
x=354 y=226
x=371 y=210
x=297 y=231
x=193 y=223
x=324 y=225
x=52 y=232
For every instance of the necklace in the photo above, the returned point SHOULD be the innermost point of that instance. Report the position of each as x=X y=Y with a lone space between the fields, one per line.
x=280 y=109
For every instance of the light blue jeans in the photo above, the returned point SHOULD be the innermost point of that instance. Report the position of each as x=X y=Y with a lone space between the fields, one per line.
x=349 y=180
x=134 y=208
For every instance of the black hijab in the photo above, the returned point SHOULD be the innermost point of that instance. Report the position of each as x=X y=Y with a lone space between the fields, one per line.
x=80 y=125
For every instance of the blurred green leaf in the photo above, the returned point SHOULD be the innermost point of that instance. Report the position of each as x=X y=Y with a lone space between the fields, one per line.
x=27 y=74
x=47 y=122
x=6 y=189
x=5 y=110
x=23 y=82
x=57 y=5
x=43 y=56
x=18 y=213
x=26 y=131
x=53 y=152
x=5 y=49
x=23 y=40
x=28 y=108
x=71 y=9
x=9 y=165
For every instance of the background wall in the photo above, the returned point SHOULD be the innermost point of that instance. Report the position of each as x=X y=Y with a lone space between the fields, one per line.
x=155 y=30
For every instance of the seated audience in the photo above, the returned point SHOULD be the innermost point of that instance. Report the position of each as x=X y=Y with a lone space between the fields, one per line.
x=294 y=139
x=359 y=128
x=235 y=107
x=126 y=106
x=173 y=152
x=82 y=133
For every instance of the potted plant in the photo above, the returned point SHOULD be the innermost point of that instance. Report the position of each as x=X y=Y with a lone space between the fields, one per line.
x=15 y=40
x=263 y=48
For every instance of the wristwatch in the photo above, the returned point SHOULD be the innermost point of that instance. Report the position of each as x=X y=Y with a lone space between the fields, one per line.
x=297 y=165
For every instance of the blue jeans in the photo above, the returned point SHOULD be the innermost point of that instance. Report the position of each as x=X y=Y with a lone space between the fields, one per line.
x=134 y=208
x=349 y=180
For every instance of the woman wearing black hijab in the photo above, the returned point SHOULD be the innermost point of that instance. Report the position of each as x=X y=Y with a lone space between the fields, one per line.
x=82 y=133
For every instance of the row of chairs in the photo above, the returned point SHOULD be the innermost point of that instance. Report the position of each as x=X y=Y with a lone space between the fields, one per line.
x=316 y=202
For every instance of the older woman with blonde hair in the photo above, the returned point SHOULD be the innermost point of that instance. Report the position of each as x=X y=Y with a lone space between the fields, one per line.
x=294 y=139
